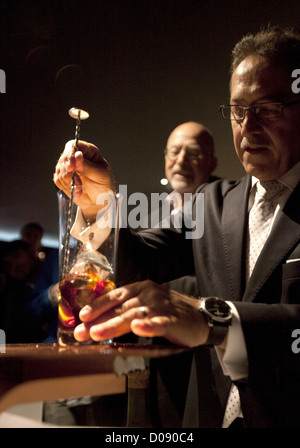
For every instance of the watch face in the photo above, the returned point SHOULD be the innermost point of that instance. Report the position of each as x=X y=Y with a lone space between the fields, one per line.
x=218 y=309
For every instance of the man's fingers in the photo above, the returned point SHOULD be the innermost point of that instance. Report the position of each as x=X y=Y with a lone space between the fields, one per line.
x=151 y=327
x=108 y=325
x=125 y=296
x=102 y=304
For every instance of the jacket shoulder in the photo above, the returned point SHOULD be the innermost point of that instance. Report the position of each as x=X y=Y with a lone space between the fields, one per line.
x=223 y=186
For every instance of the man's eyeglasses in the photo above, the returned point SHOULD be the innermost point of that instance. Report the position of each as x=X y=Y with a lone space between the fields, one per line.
x=193 y=152
x=263 y=111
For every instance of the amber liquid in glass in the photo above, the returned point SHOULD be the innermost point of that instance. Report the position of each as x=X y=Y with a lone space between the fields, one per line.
x=76 y=291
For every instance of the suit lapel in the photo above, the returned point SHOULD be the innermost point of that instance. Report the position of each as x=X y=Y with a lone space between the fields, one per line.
x=283 y=237
x=233 y=233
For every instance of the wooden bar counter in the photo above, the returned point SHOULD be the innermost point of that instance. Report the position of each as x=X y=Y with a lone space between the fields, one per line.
x=45 y=372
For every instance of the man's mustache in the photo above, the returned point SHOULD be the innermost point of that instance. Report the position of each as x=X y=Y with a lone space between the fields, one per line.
x=179 y=170
x=254 y=141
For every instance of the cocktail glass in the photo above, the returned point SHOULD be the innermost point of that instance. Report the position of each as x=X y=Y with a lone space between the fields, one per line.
x=87 y=256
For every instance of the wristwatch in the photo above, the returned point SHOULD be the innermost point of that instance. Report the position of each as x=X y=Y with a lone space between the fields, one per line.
x=219 y=316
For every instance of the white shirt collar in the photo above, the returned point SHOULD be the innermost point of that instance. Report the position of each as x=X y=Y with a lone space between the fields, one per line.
x=290 y=179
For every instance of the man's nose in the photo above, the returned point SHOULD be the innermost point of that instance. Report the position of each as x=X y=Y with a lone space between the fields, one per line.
x=250 y=123
x=182 y=156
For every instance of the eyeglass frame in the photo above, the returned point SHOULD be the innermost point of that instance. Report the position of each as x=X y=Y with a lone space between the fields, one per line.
x=252 y=108
x=196 y=157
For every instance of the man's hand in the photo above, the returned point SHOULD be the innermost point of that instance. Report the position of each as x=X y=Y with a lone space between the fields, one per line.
x=93 y=176
x=147 y=309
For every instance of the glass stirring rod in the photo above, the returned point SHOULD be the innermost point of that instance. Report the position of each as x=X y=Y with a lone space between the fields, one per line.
x=78 y=115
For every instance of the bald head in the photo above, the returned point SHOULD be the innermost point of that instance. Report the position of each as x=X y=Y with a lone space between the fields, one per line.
x=187 y=172
x=192 y=129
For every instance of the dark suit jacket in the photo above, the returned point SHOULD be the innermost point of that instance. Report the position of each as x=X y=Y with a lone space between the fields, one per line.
x=268 y=305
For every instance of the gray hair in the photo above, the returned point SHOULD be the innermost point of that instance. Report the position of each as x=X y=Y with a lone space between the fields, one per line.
x=279 y=44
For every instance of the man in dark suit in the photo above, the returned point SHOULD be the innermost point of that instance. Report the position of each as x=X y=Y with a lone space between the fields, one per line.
x=189 y=162
x=254 y=345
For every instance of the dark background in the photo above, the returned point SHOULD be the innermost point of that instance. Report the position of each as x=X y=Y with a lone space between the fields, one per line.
x=140 y=67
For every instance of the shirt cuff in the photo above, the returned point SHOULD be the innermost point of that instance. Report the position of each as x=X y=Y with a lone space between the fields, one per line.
x=234 y=359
